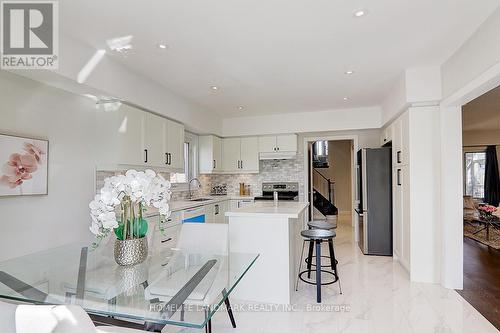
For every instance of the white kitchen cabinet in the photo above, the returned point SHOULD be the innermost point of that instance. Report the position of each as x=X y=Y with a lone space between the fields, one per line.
x=249 y=154
x=153 y=133
x=238 y=203
x=122 y=136
x=210 y=211
x=174 y=145
x=240 y=154
x=220 y=211
x=400 y=140
x=267 y=144
x=231 y=148
x=285 y=143
x=210 y=154
x=133 y=137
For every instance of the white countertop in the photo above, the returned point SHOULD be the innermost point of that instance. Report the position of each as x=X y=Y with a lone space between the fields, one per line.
x=286 y=209
x=187 y=204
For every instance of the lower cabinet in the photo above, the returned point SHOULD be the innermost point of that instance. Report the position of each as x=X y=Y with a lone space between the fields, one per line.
x=215 y=213
x=238 y=203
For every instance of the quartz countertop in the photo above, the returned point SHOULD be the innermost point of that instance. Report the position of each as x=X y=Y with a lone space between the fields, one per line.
x=285 y=209
x=188 y=204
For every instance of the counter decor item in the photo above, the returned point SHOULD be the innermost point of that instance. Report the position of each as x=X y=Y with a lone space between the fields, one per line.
x=119 y=207
x=23 y=166
x=487 y=212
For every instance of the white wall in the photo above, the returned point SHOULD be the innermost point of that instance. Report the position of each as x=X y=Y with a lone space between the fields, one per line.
x=477 y=55
x=34 y=223
x=334 y=120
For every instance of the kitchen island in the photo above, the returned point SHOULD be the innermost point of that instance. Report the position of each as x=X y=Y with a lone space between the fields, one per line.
x=274 y=233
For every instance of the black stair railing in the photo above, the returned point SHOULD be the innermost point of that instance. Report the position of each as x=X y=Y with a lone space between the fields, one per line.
x=329 y=185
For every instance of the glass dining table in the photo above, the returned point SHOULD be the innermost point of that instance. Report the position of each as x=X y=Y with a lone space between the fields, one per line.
x=172 y=287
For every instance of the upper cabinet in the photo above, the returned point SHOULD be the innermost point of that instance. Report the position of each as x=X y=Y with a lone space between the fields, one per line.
x=133 y=137
x=240 y=154
x=174 y=145
x=275 y=143
x=210 y=153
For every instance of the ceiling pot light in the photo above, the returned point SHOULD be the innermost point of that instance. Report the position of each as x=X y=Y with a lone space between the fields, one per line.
x=214 y=88
x=346 y=98
x=241 y=108
x=162 y=46
x=350 y=72
x=360 y=13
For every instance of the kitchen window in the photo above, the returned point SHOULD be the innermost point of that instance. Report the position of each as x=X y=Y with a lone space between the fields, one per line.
x=179 y=180
x=475 y=166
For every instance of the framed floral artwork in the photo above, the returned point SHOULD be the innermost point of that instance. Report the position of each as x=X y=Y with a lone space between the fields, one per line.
x=23 y=166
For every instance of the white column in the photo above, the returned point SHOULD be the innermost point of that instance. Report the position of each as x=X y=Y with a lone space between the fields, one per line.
x=451 y=197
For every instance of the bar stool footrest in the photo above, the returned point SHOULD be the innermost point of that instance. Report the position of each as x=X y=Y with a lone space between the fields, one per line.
x=314 y=265
x=336 y=278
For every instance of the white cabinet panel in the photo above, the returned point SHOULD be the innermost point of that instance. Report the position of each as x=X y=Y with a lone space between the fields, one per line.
x=267 y=144
x=217 y=153
x=210 y=213
x=125 y=128
x=286 y=142
x=210 y=153
x=231 y=154
x=154 y=140
x=174 y=145
x=249 y=154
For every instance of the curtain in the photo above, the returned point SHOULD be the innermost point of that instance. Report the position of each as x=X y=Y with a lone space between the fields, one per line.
x=491 y=177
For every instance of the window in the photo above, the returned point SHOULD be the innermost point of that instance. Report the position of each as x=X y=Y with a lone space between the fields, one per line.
x=475 y=165
x=182 y=177
x=179 y=180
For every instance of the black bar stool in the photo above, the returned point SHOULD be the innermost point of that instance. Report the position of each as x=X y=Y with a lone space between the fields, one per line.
x=316 y=237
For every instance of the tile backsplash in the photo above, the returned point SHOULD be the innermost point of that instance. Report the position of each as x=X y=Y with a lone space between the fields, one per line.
x=291 y=170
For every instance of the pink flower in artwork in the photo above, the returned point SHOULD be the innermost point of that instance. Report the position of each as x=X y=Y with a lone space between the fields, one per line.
x=34 y=150
x=18 y=169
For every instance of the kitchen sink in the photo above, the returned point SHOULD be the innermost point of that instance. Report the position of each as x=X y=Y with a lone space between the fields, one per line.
x=200 y=199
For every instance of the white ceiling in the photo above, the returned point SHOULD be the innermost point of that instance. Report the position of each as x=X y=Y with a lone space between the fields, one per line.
x=277 y=56
x=483 y=113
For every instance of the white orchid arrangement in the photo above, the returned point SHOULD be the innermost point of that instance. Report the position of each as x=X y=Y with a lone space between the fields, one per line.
x=135 y=188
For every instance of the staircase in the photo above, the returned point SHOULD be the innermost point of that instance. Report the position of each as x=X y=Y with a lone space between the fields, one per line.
x=323 y=204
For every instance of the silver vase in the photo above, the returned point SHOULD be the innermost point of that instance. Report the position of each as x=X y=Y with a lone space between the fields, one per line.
x=131 y=251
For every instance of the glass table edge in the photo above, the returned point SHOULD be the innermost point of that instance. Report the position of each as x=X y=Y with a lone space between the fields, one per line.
x=214 y=308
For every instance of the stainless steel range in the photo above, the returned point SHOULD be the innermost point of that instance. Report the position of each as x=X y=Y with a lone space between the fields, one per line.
x=286 y=191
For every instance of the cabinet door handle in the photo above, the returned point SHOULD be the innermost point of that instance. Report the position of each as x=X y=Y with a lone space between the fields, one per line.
x=213 y=164
x=277 y=148
x=166 y=240
x=216 y=209
x=169 y=159
x=399 y=177
x=241 y=164
x=238 y=164
x=166 y=158
x=398 y=156
x=145 y=156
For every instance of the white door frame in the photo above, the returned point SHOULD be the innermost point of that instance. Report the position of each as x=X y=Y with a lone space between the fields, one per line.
x=354 y=162
x=452 y=174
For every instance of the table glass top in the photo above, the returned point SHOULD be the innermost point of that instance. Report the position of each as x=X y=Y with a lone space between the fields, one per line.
x=153 y=291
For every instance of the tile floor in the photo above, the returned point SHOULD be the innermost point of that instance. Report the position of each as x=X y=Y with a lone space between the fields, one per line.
x=379 y=298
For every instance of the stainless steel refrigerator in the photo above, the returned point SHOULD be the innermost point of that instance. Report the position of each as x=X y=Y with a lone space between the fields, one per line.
x=374 y=194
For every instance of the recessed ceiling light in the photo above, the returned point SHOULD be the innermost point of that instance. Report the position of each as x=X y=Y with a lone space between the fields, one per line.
x=214 y=88
x=350 y=72
x=162 y=46
x=346 y=98
x=359 y=13
x=241 y=107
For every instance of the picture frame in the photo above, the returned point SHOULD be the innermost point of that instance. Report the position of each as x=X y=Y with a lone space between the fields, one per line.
x=24 y=166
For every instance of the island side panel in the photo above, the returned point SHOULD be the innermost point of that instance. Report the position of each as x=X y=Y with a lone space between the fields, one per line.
x=268 y=280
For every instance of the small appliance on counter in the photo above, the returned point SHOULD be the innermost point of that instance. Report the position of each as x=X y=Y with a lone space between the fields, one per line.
x=285 y=190
x=219 y=189
x=244 y=190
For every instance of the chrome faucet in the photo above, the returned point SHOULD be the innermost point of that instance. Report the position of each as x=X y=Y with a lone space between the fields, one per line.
x=190 y=192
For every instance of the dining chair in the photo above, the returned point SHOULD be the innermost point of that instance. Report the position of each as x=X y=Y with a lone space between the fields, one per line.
x=197 y=238
x=15 y=318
